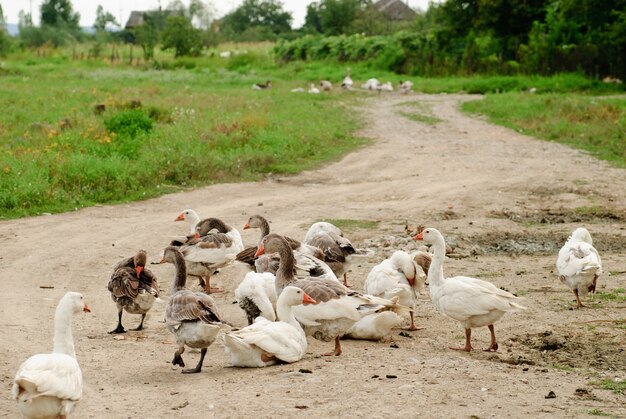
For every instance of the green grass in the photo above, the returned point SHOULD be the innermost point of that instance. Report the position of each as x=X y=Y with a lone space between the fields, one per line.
x=586 y=122
x=618 y=294
x=599 y=412
x=209 y=126
x=348 y=224
x=608 y=384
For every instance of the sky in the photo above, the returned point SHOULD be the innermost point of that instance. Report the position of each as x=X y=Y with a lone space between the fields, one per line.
x=121 y=8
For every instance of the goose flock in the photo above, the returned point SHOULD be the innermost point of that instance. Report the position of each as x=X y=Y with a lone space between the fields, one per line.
x=347 y=83
x=294 y=289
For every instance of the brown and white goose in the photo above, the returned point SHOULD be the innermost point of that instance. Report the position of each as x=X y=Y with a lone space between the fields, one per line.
x=309 y=259
x=133 y=288
x=338 y=307
x=337 y=249
x=210 y=250
x=192 y=317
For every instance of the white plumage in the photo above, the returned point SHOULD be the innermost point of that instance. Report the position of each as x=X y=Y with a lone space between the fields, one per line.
x=399 y=276
x=265 y=342
x=49 y=385
x=472 y=302
x=256 y=295
x=579 y=264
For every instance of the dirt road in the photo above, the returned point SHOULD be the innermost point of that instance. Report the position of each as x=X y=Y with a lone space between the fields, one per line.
x=504 y=201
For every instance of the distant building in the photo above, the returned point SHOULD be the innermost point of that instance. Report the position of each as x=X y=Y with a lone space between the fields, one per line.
x=395 y=9
x=138 y=18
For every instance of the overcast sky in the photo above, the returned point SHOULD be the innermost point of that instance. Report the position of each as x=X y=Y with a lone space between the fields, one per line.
x=121 y=8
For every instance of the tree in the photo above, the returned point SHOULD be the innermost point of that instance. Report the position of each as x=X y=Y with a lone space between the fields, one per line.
x=312 y=20
x=181 y=36
x=102 y=19
x=5 y=39
x=268 y=15
x=59 y=13
x=337 y=16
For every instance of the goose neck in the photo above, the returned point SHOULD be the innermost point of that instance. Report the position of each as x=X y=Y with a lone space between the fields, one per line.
x=285 y=314
x=181 y=272
x=284 y=275
x=435 y=271
x=63 y=339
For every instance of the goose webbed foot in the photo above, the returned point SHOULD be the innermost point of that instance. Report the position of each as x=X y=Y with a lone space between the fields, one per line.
x=178 y=360
x=468 y=345
x=197 y=368
x=140 y=327
x=118 y=329
x=337 y=350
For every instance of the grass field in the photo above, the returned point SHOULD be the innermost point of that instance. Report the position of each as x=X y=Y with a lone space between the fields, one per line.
x=178 y=123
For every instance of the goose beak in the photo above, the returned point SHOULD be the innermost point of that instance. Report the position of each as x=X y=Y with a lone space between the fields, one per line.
x=307 y=299
x=260 y=251
x=411 y=281
x=138 y=269
x=86 y=309
x=196 y=236
x=418 y=237
x=162 y=260
x=181 y=217
x=247 y=226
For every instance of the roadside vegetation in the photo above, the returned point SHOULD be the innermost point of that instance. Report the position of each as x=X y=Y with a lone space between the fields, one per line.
x=113 y=116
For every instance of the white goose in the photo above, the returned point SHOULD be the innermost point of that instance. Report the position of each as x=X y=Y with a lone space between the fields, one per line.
x=337 y=249
x=267 y=342
x=313 y=89
x=209 y=250
x=399 y=276
x=192 y=317
x=133 y=288
x=471 y=301
x=256 y=295
x=579 y=264
x=347 y=82
x=191 y=217
x=49 y=385
x=338 y=307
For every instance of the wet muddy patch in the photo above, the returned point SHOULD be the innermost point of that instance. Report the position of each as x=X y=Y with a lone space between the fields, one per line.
x=562 y=215
x=581 y=346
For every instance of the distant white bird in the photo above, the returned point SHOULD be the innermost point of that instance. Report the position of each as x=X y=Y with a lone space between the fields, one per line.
x=326 y=85
x=471 y=301
x=405 y=86
x=49 y=385
x=347 y=82
x=225 y=54
x=297 y=90
x=262 y=86
x=314 y=90
x=385 y=87
x=371 y=84
x=579 y=264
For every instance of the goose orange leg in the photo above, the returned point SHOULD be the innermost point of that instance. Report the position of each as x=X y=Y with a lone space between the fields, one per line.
x=578 y=302
x=337 y=350
x=468 y=345
x=207 y=286
x=494 y=344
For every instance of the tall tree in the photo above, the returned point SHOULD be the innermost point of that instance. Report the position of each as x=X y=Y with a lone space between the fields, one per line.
x=337 y=16
x=103 y=19
x=181 y=36
x=312 y=20
x=59 y=13
x=268 y=14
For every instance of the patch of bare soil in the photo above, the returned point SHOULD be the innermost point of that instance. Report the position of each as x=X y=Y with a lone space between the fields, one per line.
x=505 y=203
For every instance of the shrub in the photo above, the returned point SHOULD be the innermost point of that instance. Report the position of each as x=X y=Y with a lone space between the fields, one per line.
x=129 y=123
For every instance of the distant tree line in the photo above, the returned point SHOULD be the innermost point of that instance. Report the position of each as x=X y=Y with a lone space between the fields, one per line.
x=451 y=37
x=476 y=36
